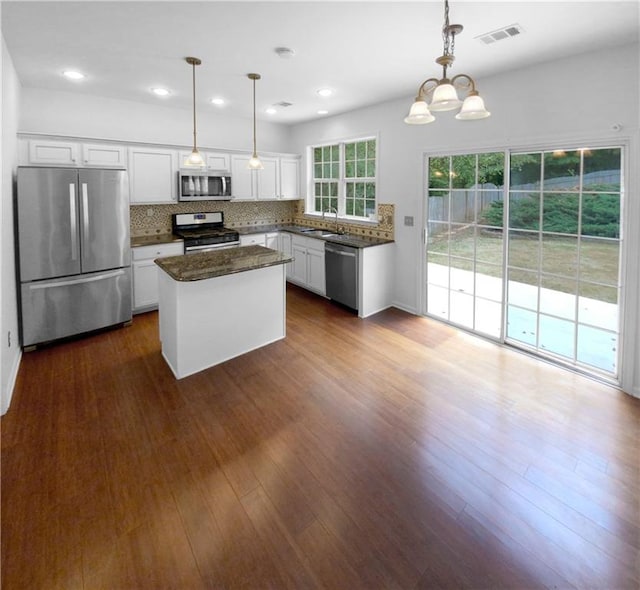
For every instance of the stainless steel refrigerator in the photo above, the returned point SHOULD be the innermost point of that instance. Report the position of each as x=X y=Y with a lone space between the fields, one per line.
x=74 y=251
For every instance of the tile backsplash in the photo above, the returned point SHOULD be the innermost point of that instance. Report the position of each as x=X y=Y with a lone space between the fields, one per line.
x=150 y=220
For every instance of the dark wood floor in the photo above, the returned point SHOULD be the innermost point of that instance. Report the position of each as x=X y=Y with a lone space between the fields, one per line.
x=393 y=452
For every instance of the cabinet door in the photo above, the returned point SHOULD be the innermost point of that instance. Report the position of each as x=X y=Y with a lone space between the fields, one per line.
x=315 y=271
x=252 y=240
x=271 y=241
x=152 y=175
x=289 y=178
x=103 y=155
x=299 y=264
x=145 y=284
x=268 y=179
x=284 y=245
x=63 y=153
x=218 y=161
x=242 y=179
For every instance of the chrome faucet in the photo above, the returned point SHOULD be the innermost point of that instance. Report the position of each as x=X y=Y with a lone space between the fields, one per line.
x=332 y=210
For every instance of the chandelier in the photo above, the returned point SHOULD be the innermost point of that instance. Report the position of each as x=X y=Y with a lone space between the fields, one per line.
x=443 y=93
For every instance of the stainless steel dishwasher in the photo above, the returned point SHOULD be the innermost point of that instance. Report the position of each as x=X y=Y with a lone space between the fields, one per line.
x=341 y=274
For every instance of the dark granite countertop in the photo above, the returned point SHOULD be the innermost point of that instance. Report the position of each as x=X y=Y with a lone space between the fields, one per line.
x=154 y=240
x=217 y=263
x=354 y=240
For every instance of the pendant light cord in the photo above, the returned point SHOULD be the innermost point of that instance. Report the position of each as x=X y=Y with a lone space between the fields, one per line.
x=254 y=118
x=193 y=65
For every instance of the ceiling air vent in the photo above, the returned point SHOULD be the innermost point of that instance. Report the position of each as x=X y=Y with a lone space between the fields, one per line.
x=283 y=103
x=500 y=34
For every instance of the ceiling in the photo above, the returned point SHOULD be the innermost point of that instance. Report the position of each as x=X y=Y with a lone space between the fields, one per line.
x=367 y=52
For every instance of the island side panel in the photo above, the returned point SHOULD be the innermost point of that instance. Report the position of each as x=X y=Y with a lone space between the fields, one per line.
x=376 y=279
x=220 y=318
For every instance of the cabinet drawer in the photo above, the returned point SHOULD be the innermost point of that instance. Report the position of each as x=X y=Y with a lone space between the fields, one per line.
x=157 y=250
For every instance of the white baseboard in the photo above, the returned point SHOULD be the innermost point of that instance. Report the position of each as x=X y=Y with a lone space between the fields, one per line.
x=408 y=309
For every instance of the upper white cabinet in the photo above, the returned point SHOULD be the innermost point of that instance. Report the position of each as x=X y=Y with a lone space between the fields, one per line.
x=63 y=153
x=152 y=175
x=267 y=179
x=104 y=155
x=219 y=161
x=280 y=178
x=289 y=178
x=71 y=153
x=242 y=179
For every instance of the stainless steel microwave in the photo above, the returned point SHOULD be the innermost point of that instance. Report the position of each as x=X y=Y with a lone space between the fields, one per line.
x=194 y=185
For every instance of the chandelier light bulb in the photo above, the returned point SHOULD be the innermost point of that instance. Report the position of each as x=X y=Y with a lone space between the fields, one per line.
x=255 y=163
x=195 y=159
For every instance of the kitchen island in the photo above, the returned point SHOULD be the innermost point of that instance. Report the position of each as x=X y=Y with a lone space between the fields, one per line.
x=217 y=305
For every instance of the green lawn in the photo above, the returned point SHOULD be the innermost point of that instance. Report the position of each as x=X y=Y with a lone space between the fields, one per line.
x=567 y=259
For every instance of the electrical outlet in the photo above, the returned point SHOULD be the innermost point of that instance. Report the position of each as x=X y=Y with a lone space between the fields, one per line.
x=408 y=220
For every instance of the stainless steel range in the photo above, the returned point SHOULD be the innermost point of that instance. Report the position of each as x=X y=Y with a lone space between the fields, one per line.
x=203 y=231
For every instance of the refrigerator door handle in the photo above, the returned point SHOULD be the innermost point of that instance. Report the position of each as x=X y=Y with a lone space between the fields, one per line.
x=80 y=281
x=85 y=212
x=74 y=221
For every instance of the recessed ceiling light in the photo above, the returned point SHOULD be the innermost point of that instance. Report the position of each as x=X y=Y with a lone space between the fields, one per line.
x=325 y=92
x=323 y=112
x=270 y=111
x=160 y=91
x=284 y=52
x=73 y=75
x=217 y=101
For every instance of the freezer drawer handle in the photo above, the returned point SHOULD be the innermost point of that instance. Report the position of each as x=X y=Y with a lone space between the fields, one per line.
x=74 y=221
x=92 y=279
x=85 y=211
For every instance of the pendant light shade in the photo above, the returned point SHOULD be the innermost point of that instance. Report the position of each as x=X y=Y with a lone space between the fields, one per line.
x=445 y=98
x=419 y=114
x=195 y=159
x=254 y=162
x=473 y=108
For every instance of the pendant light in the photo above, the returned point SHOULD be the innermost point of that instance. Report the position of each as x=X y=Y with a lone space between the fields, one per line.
x=254 y=162
x=195 y=159
x=444 y=96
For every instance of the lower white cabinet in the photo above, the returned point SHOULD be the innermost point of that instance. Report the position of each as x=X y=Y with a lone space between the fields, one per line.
x=145 y=273
x=269 y=240
x=308 y=263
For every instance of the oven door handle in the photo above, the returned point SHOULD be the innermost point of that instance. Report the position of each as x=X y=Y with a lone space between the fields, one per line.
x=211 y=246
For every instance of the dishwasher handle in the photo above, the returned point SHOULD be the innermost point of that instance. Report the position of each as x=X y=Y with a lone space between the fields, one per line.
x=340 y=252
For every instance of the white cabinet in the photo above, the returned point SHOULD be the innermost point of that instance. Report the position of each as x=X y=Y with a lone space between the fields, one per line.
x=145 y=273
x=218 y=161
x=308 y=263
x=289 y=178
x=104 y=155
x=267 y=179
x=71 y=153
x=152 y=175
x=63 y=153
x=269 y=240
x=252 y=240
x=242 y=179
x=280 y=178
x=284 y=246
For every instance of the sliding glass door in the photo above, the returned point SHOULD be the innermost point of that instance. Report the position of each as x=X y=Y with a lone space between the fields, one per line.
x=539 y=270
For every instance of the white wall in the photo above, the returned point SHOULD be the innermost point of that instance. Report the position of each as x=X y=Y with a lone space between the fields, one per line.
x=9 y=355
x=562 y=101
x=86 y=115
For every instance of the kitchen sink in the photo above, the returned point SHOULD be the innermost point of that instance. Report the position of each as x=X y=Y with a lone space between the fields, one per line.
x=323 y=233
